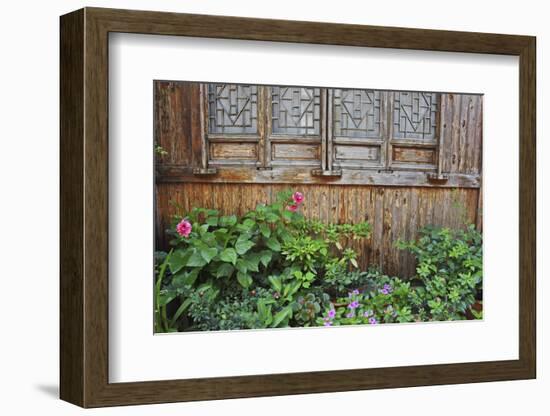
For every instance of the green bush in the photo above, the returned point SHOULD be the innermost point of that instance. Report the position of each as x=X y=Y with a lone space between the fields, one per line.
x=450 y=267
x=272 y=267
x=272 y=250
x=381 y=299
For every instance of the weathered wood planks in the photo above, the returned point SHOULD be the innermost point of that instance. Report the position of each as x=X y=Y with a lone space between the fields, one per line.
x=396 y=212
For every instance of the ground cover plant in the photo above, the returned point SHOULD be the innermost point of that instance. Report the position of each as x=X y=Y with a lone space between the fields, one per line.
x=272 y=267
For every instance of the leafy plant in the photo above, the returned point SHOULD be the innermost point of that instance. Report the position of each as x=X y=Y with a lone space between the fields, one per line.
x=449 y=265
x=307 y=307
x=272 y=268
x=381 y=299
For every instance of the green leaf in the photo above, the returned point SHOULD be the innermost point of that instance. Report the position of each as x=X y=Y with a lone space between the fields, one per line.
x=228 y=221
x=244 y=279
x=281 y=316
x=192 y=277
x=166 y=298
x=265 y=230
x=273 y=244
x=209 y=239
x=196 y=259
x=252 y=260
x=180 y=310
x=264 y=312
x=224 y=270
x=243 y=246
x=241 y=265
x=178 y=259
x=185 y=278
x=284 y=234
x=244 y=237
x=293 y=288
x=209 y=253
x=276 y=283
x=271 y=217
x=213 y=221
x=265 y=257
x=287 y=215
x=249 y=223
x=229 y=255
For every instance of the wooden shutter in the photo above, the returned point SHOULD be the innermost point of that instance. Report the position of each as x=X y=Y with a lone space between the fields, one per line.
x=357 y=129
x=233 y=125
x=461 y=135
x=414 y=131
x=296 y=132
x=177 y=119
x=233 y=132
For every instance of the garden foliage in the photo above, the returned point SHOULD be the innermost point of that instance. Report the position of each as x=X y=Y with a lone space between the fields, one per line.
x=272 y=267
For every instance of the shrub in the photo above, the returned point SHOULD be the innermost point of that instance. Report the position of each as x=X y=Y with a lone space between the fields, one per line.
x=274 y=268
x=382 y=299
x=272 y=249
x=449 y=266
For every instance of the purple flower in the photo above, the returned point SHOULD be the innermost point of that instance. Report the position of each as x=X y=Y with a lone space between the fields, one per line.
x=368 y=313
x=385 y=291
x=331 y=313
x=327 y=323
x=388 y=287
x=373 y=321
x=353 y=305
x=350 y=315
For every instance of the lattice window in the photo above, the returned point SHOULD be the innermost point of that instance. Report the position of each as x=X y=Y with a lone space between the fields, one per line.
x=357 y=113
x=284 y=126
x=415 y=115
x=295 y=111
x=233 y=109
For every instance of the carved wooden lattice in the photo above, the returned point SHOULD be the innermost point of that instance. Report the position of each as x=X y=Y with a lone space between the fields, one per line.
x=232 y=109
x=296 y=111
x=356 y=113
x=415 y=115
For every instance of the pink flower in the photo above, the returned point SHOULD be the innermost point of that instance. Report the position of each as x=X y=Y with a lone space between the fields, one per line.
x=292 y=207
x=184 y=228
x=298 y=198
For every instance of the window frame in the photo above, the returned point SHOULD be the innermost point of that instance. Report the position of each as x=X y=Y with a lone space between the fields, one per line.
x=328 y=142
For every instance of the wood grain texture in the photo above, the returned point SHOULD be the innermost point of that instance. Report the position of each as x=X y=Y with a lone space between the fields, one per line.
x=71 y=323
x=461 y=133
x=178 y=122
x=450 y=207
x=234 y=172
x=528 y=210
x=181 y=134
x=84 y=191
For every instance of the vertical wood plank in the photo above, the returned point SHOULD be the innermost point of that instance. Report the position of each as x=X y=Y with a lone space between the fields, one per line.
x=394 y=212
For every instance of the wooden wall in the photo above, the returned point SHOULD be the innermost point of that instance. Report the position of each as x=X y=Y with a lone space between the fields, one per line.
x=394 y=211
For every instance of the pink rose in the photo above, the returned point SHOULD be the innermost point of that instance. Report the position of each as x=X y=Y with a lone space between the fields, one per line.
x=298 y=197
x=184 y=228
x=292 y=207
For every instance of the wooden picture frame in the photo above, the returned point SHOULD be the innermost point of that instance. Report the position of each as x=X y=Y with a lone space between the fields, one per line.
x=84 y=207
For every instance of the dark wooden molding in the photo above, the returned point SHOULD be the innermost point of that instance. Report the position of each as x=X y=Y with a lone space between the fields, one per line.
x=290 y=175
x=71 y=343
x=84 y=207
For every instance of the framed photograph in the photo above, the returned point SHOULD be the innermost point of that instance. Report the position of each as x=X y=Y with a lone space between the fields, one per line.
x=263 y=207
